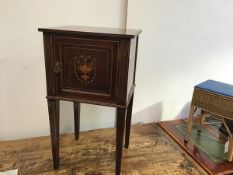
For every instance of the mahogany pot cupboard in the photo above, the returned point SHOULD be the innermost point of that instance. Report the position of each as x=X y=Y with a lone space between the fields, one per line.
x=90 y=65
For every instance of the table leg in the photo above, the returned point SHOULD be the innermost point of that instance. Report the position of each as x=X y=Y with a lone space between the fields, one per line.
x=120 y=125
x=128 y=122
x=230 y=150
x=190 y=123
x=76 y=119
x=53 y=108
x=202 y=121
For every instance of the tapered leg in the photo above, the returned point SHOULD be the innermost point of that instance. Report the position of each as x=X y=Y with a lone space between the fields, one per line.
x=230 y=150
x=53 y=108
x=76 y=119
x=190 y=123
x=128 y=122
x=120 y=126
x=202 y=121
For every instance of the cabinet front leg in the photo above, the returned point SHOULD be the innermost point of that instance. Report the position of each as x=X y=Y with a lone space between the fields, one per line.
x=128 y=122
x=53 y=108
x=120 y=126
x=76 y=119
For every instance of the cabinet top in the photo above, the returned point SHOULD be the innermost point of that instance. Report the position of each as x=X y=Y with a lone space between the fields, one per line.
x=96 y=31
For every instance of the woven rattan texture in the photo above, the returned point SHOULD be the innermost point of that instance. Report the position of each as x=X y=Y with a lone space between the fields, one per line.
x=214 y=103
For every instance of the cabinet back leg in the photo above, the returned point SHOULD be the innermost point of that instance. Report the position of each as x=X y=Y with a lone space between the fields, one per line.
x=76 y=119
x=128 y=122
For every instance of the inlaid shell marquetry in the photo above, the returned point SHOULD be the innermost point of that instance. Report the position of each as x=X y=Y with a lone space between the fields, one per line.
x=85 y=68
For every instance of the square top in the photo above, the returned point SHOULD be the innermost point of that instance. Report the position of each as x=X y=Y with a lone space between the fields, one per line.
x=94 y=31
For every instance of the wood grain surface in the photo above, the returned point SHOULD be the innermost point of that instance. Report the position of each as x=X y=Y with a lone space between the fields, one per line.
x=150 y=153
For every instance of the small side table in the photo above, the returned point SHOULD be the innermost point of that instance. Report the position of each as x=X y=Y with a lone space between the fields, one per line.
x=90 y=65
x=216 y=99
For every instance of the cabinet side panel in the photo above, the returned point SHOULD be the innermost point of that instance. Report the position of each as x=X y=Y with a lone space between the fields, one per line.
x=132 y=62
x=49 y=64
x=122 y=71
x=136 y=56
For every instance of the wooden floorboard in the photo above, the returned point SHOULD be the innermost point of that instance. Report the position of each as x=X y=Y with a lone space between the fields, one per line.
x=150 y=153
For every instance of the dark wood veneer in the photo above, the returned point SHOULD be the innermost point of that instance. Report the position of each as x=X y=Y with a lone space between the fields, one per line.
x=93 y=31
x=90 y=65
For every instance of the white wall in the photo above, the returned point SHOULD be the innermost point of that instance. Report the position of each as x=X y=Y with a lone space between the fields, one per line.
x=183 y=42
x=23 y=107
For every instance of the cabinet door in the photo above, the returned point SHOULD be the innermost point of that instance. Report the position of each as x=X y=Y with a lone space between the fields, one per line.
x=87 y=67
